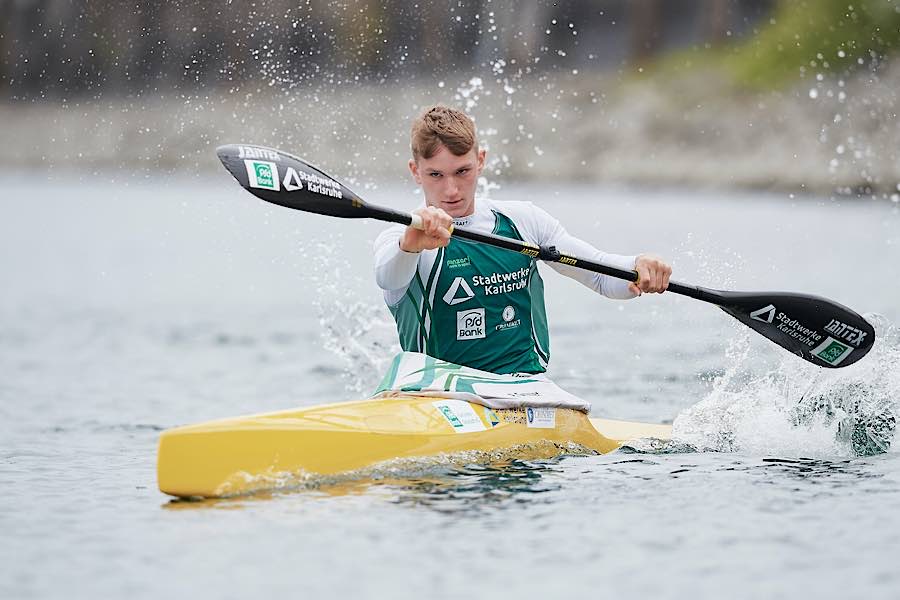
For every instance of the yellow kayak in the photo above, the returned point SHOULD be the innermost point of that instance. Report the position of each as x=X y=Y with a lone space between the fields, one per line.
x=286 y=448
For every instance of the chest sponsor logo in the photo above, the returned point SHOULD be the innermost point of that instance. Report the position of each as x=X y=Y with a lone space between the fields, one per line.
x=509 y=313
x=502 y=283
x=509 y=319
x=458 y=292
x=456 y=263
x=470 y=324
x=262 y=174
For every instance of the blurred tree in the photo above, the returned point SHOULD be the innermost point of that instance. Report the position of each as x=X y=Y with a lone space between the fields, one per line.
x=60 y=48
x=820 y=35
x=645 y=18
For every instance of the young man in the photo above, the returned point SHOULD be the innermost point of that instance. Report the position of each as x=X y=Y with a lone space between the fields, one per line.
x=469 y=303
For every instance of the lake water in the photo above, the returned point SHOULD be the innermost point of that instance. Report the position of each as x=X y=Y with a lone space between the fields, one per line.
x=134 y=304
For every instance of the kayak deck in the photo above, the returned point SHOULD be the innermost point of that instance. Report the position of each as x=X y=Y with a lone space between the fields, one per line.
x=273 y=450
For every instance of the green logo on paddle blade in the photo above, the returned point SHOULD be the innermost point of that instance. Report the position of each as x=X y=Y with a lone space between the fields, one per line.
x=264 y=176
x=833 y=352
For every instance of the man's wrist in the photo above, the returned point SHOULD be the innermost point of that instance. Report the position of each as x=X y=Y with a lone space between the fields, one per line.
x=402 y=249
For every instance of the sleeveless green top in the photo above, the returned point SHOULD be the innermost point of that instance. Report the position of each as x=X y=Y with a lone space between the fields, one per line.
x=481 y=306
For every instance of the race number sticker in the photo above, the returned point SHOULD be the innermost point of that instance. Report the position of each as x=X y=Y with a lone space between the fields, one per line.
x=541 y=418
x=460 y=415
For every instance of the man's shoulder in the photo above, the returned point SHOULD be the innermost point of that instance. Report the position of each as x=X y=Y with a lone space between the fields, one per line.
x=521 y=211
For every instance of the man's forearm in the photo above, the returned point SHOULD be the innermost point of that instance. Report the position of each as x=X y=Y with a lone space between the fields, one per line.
x=394 y=268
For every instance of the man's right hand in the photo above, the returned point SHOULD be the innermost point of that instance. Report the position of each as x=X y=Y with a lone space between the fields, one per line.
x=435 y=232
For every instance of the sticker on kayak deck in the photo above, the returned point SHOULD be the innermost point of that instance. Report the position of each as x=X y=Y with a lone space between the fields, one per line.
x=262 y=174
x=541 y=418
x=460 y=415
x=832 y=351
x=491 y=417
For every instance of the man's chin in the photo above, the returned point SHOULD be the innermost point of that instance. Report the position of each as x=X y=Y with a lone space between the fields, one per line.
x=457 y=209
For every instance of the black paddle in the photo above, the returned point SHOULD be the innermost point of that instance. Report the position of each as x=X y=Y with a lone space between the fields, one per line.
x=817 y=329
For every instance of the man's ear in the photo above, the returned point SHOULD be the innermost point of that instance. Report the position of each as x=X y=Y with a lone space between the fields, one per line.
x=481 y=154
x=414 y=169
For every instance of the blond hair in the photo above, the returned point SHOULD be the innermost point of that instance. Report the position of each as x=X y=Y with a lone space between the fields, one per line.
x=441 y=125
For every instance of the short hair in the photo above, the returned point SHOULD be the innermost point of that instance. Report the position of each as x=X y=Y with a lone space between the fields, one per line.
x=441 y=125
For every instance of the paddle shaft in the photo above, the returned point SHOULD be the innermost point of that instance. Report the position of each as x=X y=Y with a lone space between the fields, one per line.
x=545 y=253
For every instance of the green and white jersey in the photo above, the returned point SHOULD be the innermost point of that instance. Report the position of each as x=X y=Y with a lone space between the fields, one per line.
x=480 y=306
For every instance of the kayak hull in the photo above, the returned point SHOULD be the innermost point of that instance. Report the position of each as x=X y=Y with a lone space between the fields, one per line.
x=282 y=449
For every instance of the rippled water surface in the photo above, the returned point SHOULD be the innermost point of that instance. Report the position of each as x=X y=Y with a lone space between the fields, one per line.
x=133 y=305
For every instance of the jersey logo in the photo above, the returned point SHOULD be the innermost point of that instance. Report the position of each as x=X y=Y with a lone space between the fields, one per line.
x=470 y=324
x=452 y=296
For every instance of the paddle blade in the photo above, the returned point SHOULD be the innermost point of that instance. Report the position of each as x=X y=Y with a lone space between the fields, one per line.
x=286 y=180
x=821 y=331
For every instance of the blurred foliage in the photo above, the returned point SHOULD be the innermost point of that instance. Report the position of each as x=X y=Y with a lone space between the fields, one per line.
x=816 y=35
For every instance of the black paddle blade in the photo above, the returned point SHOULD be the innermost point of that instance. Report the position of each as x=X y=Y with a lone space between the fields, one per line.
x=819 y=330
x=286 y=180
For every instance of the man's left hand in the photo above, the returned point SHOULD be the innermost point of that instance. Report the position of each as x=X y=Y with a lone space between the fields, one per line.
x=653 y=275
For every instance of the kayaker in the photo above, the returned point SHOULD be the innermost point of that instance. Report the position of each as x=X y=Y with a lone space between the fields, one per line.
x=469 y=303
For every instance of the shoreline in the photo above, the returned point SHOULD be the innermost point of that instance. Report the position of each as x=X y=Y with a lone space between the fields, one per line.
x=828 y=136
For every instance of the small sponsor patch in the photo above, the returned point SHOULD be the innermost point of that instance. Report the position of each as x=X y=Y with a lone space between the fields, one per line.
x=460 y=414
x=491 y=417
x=470 y=324
x=262 y=174
x=456 y=263
x=832 y=351
x=541 y=418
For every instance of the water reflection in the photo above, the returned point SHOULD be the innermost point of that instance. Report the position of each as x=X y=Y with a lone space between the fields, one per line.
x=446 y=489
x=483 y=487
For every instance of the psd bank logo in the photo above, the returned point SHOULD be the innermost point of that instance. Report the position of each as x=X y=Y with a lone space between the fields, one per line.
x=262 y=174
x=470 y=324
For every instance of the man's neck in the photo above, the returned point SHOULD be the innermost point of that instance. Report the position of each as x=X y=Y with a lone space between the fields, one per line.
x=466 y=219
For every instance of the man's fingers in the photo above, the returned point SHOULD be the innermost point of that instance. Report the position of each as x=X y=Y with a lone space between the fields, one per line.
x=643 y=278
x=667 y=272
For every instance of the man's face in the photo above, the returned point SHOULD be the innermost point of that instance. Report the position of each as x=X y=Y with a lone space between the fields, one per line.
x=448 y=180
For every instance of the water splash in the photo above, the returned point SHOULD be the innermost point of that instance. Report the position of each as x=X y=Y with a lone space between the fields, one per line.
x=798 y=409
x=359 y=334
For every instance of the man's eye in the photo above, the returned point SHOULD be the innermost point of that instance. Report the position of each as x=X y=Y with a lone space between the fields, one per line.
x=462 y=171
x=435 y=175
